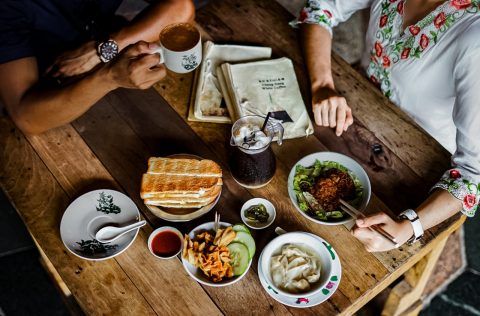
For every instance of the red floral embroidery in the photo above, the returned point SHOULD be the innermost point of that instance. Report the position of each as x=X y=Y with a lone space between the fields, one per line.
x=386 y=62
x=469 y=201
x=328 y=13
x=378 y=49
x=400 y=7
x=460 y=4
x=406 y=53
x=414 y=30
x=392 y=1
x=455 y=174
x=424 y=41
x=439 y=20
x=383 y=20
x=303 y=15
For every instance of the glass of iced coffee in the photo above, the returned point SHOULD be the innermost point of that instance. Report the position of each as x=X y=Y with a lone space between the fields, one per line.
x=252 y=160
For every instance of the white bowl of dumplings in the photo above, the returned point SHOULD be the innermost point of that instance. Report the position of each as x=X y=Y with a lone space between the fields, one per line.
x=296 y=264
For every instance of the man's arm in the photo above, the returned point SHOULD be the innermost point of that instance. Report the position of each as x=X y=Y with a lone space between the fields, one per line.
x=35 y=110
x=145 y=27
x=148 y=24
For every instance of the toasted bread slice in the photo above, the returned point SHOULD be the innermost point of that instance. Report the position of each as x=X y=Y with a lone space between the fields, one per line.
x=186 y=196
x=174 y=202
x=186 y=167
x=185 y=205
x=153 y=184
x=206 y=198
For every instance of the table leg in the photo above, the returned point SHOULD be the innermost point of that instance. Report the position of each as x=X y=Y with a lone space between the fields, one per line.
x=66 y=295
x=406 y=297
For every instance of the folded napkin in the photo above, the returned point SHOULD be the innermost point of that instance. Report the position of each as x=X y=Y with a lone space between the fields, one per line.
x=206 y=104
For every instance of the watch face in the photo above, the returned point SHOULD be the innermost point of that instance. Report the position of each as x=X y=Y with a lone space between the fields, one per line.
x=108 y=50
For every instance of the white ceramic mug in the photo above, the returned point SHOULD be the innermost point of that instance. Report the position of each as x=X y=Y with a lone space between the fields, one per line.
x=182 y=60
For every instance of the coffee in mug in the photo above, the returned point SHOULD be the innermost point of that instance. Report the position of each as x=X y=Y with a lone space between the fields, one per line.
x=179 y=37
x=180 y=47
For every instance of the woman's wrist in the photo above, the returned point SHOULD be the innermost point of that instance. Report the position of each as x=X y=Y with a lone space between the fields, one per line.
x=406 y=231
x=321 y=83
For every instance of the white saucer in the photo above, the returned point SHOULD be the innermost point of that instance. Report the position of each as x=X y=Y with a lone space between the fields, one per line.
x=312 y=300
x=82 y=220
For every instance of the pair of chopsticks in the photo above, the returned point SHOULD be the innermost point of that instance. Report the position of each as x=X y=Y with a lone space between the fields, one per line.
x=216 y=223
x=354 y=213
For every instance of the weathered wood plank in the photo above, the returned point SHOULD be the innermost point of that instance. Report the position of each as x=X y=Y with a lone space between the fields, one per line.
x=129 y=126
x=81 y=170
x=141 y=112
x=151 y=128
x=40 y=201
x=252 y=21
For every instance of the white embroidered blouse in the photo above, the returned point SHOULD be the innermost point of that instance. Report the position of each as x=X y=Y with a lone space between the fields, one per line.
x=431 y=70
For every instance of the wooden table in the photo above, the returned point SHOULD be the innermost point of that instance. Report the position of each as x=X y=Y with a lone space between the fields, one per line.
x=108 y=147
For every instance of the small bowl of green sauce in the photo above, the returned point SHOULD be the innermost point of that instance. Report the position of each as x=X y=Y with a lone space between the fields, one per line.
x=258 y=213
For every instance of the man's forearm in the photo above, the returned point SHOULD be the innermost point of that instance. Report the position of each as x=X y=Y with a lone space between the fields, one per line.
x=148 y=24
x=40 y=110
x=317 y=46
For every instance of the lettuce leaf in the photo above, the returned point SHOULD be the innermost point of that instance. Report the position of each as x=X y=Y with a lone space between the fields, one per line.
x=305 y=177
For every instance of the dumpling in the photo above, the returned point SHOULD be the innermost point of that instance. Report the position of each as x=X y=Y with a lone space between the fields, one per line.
x=295 y=269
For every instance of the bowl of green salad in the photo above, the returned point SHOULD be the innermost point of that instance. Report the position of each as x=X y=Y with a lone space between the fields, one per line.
x=318 y=181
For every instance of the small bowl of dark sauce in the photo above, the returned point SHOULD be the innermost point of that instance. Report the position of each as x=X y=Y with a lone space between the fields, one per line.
x=258 y=213
x=165 y=242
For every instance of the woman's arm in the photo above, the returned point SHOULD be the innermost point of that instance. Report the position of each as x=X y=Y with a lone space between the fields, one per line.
x=35 y=109
x=329 y=109
x=439 y=206
x=317 y=19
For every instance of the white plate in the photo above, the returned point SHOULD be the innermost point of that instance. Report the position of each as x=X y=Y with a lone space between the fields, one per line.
x=82 y=220
x=345 y=161
x=182 y=215
x=198 y=274
x=309 y=300
x=254 y=224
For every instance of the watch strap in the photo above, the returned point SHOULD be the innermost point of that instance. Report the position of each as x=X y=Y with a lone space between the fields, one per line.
x=412 y=216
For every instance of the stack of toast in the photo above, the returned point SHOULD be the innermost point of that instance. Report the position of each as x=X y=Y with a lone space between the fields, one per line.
x=181 y=183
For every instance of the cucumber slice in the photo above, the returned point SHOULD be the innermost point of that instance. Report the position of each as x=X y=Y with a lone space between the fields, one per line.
x=247 y=240
x=239 y=256
x=241 y=228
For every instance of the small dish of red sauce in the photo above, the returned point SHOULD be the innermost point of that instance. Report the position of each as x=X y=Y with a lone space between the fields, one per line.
x=165 y=242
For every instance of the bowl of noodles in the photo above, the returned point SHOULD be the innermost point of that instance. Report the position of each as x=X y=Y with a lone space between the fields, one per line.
x=328 y=177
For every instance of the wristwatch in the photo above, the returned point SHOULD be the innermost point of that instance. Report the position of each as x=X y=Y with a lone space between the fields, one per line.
x=107 y=50
x=412 y=216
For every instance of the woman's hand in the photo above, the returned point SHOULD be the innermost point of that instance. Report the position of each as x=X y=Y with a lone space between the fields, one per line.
x=330 y=109
x=372 y=240
x=75 y=62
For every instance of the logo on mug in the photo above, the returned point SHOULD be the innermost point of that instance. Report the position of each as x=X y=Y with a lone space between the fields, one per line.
x=189 y=62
